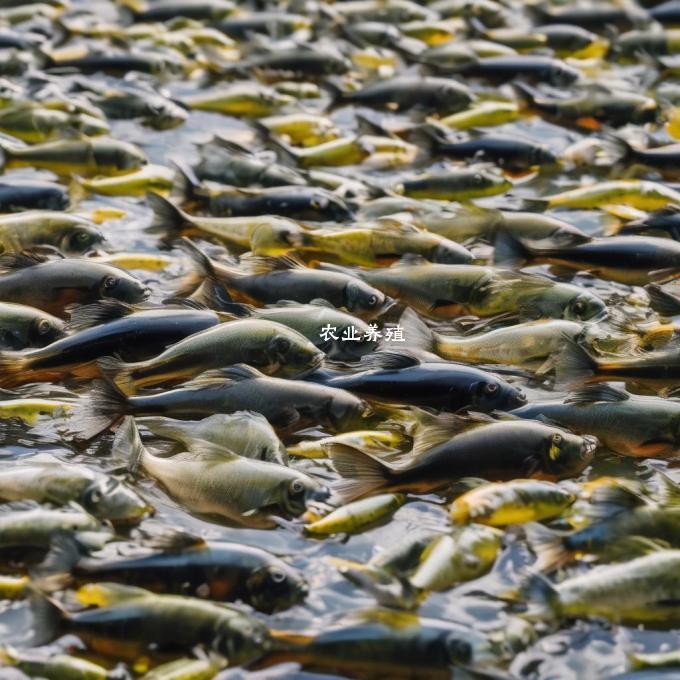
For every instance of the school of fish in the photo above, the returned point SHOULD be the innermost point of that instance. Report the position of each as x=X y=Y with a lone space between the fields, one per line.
x=339 y=339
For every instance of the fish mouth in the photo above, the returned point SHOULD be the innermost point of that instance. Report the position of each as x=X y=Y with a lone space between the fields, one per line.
x=590 y=444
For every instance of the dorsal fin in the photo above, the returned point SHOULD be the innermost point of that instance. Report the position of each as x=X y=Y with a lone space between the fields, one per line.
x=15 y=261
x=589 y=394
x=389 y=360
x=87 y=316
x=236 y=373
x=264 y=265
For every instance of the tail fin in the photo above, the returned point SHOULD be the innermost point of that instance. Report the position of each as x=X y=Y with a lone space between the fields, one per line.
x=48 y=617
x=128 y=444
x=120 y=373
x=98 y=410
x=548 y=546
x=14 y=369
x=286 y=153
x=167 y=216
x=574 y=365
x=54 y=572
x=622 y=149
x=525 y=93
x=336 y=96
x=508 y=250
x=428 y=136
x=416 y=332
x=544 y=600
x=661 y=301
x=362 y=472
x=204 y=283
x=187 y=183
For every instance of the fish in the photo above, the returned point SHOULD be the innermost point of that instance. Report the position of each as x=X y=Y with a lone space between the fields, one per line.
x=57 y=283
x=219 y=627
x=69 y=233
x=446 y=291
x=211 y=10
x=498 y=451
x=400 y=376
x=356 y=516
x=17 y=195
x=462 y=555
x=382 y=441
x=662 y=222
x=530 y=344
x=33 y=124
x=41 y=664
x=102 y=329
x=23 y=327
x=631 y=425
x=640 y=591
x=268 y=279
x=98 y=156
x=211 y=480
x=284 y=403
x=514 y=502
x=240 y=99
x=266 y=345
x=456 y=184
x=635 y=260
x=46 y=479
x=181 y=564
x=156 y=178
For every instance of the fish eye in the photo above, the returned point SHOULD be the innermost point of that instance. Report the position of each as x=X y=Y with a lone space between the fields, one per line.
x=458 y=650
x=82 y=236
x=491 y=388
x=315 y=204
x=277 y=575
x=110 y=282
x=555 y=446
x=557 y=439
x=44 y=326
x=579 y=306
x=296 y=487
x=373 y=300
x=94 y=496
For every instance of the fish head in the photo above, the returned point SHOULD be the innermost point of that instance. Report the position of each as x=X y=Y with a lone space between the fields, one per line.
x=122 y=286
x=585 y=306
x=362 y=298
x=110 y=499
x=566 y=454
x=458 y=650
x=276 y=587
x=240 y=638
x=542 y=154
x=79 y=239
x=452 y=253
x=298 y=490
x=494 y=394
x=45 y=329
x=293 y=353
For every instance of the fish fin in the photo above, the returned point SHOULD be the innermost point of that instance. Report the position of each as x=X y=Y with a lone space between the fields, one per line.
x=661 y=301
x=574 y=364
x=97 y=411
x=88 y=316
x=227 y=144
x=48 y=616
x=366 y=126
x=606 y=501
x=393 y=590
x=204 y=274
x=127 y=445
x=187 y=184
x=286 y=154
x=544 y=599
x=548 y=546
x=54 y=572
x=217 y=377
x=428 y=136
x=417 y=332
x=263 y=265
x=433 y=430
x=620 y=146
x=14 y=367
x=668 y=493
x=335 y=94
x=362 y=473
x=509 y=251
x=590 y=394
x=388 y=359
x=15 y=261
x=172 y=540
x=120 y=373
x=187 y=303
x=167 y=217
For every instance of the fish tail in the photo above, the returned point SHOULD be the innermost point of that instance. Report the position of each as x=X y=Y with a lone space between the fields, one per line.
x=167 y=429
x=167 y=217
x=54 y=572
x=416 y=331
x=661 y=301
x=186 y=182
x=48 y=616
x=336 y=96
x=428 y=136
x=548 y=546
x=622 y=149
x=128 y=445
x=120 y=373
x=362 y=473
x=96 y=412
x=14 y=369
x=509 y=251
x=574 y=364
x=204 y=284
x=544 y=600
x=285 y=152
